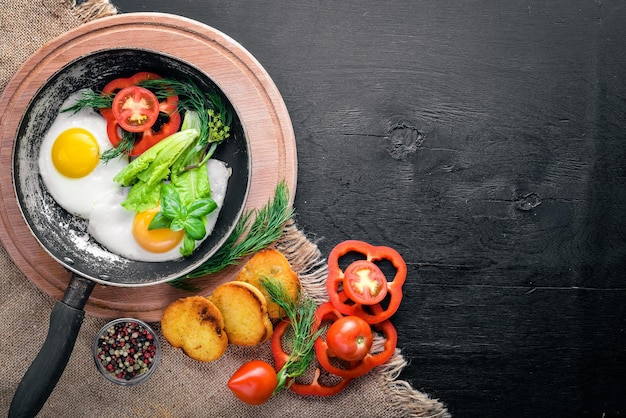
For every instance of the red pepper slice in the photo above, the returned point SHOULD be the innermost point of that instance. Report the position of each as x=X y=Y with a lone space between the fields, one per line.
x=135 y=108
x=148 y=137
x=315 y=387
x=326 y=312
x=349 y=301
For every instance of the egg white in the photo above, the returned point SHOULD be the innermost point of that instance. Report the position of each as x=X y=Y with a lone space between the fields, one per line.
x=111 y=224
x=77 y=195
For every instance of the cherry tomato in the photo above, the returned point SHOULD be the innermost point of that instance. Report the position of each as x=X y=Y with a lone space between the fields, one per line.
x=254 y=382
x=349 y=338
x=135 y=108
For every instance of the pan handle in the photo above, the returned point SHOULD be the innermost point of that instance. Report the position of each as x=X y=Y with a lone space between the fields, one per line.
x=44 y=373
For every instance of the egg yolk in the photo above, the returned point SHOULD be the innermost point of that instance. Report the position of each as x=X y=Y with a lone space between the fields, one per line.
x=75 y=152
x=155 y=240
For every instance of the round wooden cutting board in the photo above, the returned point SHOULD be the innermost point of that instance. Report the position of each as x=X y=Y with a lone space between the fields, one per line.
x=234 y=70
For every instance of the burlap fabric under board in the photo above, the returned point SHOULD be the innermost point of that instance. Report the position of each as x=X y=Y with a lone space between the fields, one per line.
x=180 y=387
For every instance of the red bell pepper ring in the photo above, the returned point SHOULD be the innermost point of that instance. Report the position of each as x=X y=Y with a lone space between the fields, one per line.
x=327 y=312
x=149 y=137
x=315 y=387
x=362 y=283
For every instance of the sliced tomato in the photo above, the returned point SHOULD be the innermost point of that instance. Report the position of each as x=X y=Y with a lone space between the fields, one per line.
x=168 y=121
x=135 y=108
x=364 y=282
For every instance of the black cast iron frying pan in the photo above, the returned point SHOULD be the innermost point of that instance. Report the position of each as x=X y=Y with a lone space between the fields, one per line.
x=65 y=237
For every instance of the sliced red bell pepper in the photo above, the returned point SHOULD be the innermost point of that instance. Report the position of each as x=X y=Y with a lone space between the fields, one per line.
x=363 y=283
x=315 y=387
x=326 y=312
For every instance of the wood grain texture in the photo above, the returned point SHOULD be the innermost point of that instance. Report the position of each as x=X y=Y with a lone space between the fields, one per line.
x=485 y=142
x=257 y=101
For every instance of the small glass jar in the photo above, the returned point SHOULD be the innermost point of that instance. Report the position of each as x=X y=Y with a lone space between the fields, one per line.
x=126 y=351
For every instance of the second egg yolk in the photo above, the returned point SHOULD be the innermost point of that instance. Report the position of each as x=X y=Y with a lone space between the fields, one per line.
x=75 y=152
x=155 y=240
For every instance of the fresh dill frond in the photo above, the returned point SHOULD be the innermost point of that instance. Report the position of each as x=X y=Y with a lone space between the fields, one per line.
x=301 y=316
x=255 y=230
x=124 y=147
x=90 y=99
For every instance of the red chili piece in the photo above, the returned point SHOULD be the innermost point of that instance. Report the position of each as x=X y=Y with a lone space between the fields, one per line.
x=280 y=358
x=327 y=312
x=361 y=283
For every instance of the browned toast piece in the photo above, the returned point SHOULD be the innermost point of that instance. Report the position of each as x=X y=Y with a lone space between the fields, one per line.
x=196 y=325
x=271 y=264
x=244 y=309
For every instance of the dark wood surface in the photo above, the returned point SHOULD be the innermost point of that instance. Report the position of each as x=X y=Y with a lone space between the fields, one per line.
x=486 y=142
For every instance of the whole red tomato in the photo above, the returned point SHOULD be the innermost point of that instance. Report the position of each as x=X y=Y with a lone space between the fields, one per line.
x=349 y=338
x=254 y=382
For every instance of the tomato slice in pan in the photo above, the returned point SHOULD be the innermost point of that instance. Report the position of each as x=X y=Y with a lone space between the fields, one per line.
x=168 y=123
x=135 y=108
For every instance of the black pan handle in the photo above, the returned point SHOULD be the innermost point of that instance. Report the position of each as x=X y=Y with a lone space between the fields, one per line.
x=46 y=370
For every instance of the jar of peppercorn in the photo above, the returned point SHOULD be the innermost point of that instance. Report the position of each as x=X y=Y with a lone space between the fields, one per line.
x=126 y=351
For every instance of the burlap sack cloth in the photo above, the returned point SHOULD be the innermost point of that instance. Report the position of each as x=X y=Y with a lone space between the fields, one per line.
x=180 y=387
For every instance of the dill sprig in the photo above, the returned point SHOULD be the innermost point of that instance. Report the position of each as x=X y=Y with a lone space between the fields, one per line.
x=123 y=148
x=263 y=226
x=301 y=315
x=90 y=99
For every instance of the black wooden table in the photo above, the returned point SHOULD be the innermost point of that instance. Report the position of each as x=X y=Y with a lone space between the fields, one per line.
x=486 y=142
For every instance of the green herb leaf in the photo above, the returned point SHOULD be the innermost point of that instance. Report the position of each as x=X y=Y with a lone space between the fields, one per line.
x=194 y=228
x=172 y=208
x=301 y=315
x=89 y=99
x=201 y=207
x=159 y=221
x=186 y=250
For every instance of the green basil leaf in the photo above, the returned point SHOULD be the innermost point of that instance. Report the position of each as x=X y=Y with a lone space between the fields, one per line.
x=189 y=244
x=194 y=227
x=160 y=221
x=201 y=207
x=172 y=208
x=177 y=225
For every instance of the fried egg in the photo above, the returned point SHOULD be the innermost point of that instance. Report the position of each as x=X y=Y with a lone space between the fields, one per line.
x=126 y=233
x=69 y=159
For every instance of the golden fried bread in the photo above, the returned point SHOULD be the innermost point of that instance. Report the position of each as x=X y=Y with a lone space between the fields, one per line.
x=196 y=325
x=271 y=264
x=244 y=309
